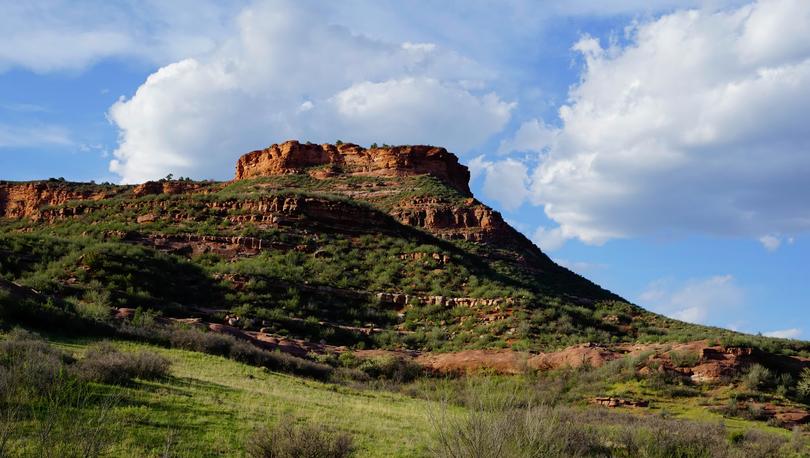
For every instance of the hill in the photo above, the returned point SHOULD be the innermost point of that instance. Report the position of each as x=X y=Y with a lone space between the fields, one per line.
x=382 y=247
x=371 y=268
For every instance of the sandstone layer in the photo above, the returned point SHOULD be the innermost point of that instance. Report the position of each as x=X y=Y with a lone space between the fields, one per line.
x=23 y=200
x=294 y=157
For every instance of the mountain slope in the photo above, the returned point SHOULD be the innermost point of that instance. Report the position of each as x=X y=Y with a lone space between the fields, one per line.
x=334 y=244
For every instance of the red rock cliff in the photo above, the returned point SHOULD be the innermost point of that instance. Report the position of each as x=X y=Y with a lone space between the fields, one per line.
x=18 y=200
x=294 y=157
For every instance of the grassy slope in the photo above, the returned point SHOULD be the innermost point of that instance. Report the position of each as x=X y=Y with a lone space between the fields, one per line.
x=690 y=408
x=212 y=404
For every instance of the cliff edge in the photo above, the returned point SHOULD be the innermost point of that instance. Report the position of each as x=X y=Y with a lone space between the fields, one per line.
x=347 y=158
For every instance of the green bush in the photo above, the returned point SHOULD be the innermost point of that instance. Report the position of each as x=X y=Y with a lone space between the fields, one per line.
x=103 y=363
x=803 y=385
x=29 y=366
x=398 y=369
x=290 y=440
x=684 y=358
x=757 y=377
x=44 y=410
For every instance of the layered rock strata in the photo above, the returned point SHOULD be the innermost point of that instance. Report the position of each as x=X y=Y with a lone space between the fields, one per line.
x=294 y=157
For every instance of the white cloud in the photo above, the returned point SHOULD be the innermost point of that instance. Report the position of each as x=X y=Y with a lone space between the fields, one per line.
x=277 y=80
x=704 y=301
x=24 y=108
x=791 y=333
x=532 y=135
x=416 y=110
x=697 y=124
x=14 y=136
x=580 y=267
x=505 y=181
x=770 y=242
x=550 y=239
x=57 y=35
x=54 y=35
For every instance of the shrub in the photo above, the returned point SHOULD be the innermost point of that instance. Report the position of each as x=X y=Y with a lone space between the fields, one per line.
x=44 y=410
x=803 y=386
x=248 y=353
x=93 y=311
x=229 y=347
x=103 y=363
x=757 y=377
x=28 y=365
x=497 y=422
x=394 y=368
x=673 y=438
x=288 y=440
x=784 y=384
x=205 y=342
x=684 y=358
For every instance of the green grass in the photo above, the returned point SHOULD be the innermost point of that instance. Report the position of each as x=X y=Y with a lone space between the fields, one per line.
x=211 y=404
x=688 y=408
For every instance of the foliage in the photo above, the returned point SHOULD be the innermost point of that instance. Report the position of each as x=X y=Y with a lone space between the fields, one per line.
x=502 y=426
x=290 y=440
x=803 y=385
x=684 y=358
x=44 y=411
x=757 y=376
x=227 y=346
x=316 y=278
x=104 y=363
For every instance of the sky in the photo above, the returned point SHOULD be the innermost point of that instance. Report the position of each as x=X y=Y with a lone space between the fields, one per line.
x=660 y=148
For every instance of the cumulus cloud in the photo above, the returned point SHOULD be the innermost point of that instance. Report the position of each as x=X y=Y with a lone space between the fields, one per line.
x=791 y=333
x=695 y=122
x=533 y=135
x=56 y=35
x=550 y=239
x=505 y=181
x=278 y=79
x=704 y=301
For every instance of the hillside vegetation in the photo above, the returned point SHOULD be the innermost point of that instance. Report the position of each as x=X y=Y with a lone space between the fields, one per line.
x=179 y=254
x=342 y=301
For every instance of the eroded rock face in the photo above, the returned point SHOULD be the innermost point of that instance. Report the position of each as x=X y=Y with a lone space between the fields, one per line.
x=23 y=200
x=347 y=158
x=165 y=187
x=471 y=221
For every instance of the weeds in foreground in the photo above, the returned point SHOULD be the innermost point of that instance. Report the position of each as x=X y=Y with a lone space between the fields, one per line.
x=500 y=425
x=290 y=440
x=46 y=411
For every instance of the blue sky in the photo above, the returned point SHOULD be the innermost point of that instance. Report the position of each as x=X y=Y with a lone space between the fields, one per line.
x=659 y=148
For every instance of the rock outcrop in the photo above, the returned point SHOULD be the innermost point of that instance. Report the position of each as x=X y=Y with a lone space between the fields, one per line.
x=470 y=220
x=165 y=187
x=23 y=200
x=294 y=157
